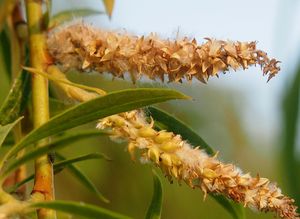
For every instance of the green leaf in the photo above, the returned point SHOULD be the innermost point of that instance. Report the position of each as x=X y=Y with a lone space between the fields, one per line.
x=5 y=56
x=68 y=15
x=109 y=6
x=84 y=180
x=4 y=130
x=19 y=184
x=112 y=103
x=64 y=163
x=154 y=210
x=45 y=149
x=165 y=121
x=16 y=100
x=75 y=171
x=168 y=122
x=236 y=210
x=80 y=209
x=290 y=133
x=58 y=106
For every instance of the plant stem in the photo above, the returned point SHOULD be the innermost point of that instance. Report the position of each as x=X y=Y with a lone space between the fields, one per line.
x=15 y=20
x=43 y=183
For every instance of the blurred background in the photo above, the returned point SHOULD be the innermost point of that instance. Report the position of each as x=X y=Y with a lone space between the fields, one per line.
x=254 y=124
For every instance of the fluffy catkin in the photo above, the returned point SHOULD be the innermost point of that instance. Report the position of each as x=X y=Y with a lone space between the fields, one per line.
x=179 y=160
x=83 y=47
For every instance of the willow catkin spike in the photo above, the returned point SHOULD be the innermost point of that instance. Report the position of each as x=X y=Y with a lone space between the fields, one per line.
x=179 y=160
x=83 y=47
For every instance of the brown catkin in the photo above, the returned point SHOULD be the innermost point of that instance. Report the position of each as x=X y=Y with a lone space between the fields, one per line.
x=83 y=47
x=179 y=160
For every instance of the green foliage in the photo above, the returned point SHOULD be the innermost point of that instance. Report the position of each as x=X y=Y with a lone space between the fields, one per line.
x=164 y=121
x=290 y=131
x=68 y=15
x=98 y=108
x=83 y=179
x=16 y=100
x=5 y=62
x=45 y=149
x=80 y=209
x=4 y=130
x=155 y=208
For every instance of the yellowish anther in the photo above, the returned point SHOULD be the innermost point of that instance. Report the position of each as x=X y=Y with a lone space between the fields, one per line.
x=209 y=173
x=163 y=137
x=153 y=154
x=131 y=150
x=174 y=171
x=176 y=160
x=147 y=132
x=118 y=121
x=168 y=146
x=166 y=159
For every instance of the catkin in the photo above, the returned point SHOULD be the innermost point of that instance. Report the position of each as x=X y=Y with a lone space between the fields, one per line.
x=85 y=48
x=179 y=160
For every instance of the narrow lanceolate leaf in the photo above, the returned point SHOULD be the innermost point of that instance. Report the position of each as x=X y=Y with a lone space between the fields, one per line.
x=168 y=122
x=75 y=171
x=290 y=131
x=165 y=121
x=5 y=56
x=110 y=104
x=109 y=6
x=68 y=15
x=4 y=130
x=16 y=99
x=80 y=209
x=64 y=163
x=84 y=180
x=154 y=210
x=39 y=151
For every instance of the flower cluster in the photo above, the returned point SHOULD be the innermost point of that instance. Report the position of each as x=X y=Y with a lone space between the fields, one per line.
x=179 y=160
x=83 y=47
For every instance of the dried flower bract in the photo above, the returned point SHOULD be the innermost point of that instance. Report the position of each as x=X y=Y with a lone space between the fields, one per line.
x=84 y=47
x=179 y=160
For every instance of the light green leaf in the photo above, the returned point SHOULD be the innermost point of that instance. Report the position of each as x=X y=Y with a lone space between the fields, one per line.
x=109 y=6
x=80 y=209
x=45 y=149
x=165 y=121
x=154 y=210
x=68 y=15
x=4 y=130
x=16 y=100
x=84 y=180
x=112 y=103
